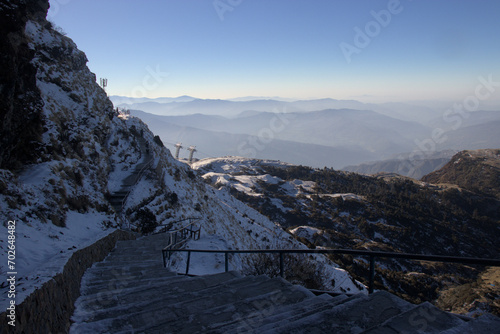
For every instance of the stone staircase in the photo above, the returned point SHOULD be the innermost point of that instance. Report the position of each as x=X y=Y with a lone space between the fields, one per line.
x=116 y=198
x=131 y=292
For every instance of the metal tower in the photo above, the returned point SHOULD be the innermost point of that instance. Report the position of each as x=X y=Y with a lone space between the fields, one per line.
x=178 y=147
x=191 y=150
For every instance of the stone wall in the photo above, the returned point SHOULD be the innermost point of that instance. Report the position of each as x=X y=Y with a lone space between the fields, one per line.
x=49 y=309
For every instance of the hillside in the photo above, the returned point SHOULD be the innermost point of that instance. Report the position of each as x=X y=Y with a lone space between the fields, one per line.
x=414 y=168
x=74 y=151
x=333 y=209
x=477 y=171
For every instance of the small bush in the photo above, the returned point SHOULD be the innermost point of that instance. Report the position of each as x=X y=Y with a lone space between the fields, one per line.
x=297 y=269
x=146 y=221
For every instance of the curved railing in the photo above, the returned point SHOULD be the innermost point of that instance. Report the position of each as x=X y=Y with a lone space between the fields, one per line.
x=177 y=238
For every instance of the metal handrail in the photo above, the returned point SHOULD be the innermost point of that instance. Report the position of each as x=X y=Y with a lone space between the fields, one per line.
x=371 y=254
x=179 y=237
x=139 y=176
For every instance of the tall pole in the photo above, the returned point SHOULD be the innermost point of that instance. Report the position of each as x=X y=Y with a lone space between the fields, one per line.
x=191 y=150
x=178 y=147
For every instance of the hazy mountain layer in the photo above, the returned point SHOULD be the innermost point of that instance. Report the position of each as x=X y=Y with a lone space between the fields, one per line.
x=356 y=136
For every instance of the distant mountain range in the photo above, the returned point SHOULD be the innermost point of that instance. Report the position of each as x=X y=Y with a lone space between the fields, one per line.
x=296 y=132
x=212 y=143
x=185 y=105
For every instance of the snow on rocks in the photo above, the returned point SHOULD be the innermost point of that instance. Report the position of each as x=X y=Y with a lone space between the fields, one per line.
x=306 y=232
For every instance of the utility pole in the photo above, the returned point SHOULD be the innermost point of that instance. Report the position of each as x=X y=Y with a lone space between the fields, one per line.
x=191 y=150
x=178 y=147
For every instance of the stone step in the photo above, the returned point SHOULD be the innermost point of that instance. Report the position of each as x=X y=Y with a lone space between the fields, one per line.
x=254 y=312
x=486 y=323
x=171 y=315
x=267 y=319
x=140 y=251
x=424 y=318
x=95 y=284
x=361 y=313
x=169 y=284
x=92 y=279
x=155 y=241
x=260 y=302
x=114 y=271
x=141 y=310
x=182 y=316
x=137 y=252
x=151 y=249
x=146 y=248
x=124 y=267
x=173 y=287
x=137 y=258
x=184 y=290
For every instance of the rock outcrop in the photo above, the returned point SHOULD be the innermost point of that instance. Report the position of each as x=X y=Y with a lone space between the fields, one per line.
x=21 y=117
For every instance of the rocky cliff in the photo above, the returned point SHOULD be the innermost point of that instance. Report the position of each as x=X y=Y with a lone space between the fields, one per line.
x=21 y=118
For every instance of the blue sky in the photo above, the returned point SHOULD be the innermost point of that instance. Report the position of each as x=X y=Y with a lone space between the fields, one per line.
x=416 y=50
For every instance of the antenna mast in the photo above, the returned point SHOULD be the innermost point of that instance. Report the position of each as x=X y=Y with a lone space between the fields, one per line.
x=104 y=83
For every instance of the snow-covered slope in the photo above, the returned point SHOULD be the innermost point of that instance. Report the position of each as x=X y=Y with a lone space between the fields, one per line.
x=59 y=203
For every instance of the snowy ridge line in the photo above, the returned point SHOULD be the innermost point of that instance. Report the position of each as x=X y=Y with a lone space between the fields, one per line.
x=371 y=254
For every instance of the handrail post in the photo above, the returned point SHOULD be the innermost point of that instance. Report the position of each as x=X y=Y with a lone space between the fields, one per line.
x=281 y=265
x=187 y=263
x=226 y=261
x=372 y=274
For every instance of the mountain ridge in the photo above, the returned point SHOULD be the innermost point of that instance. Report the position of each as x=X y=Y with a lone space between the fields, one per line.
x=475 y=170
